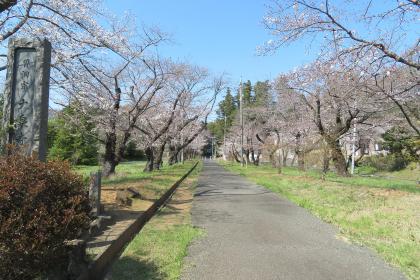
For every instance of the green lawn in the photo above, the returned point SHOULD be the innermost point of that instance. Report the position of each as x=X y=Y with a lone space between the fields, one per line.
x=125 y=171
x=412 y=173
x=157 y=252
x=380 y=213
x=132 y=172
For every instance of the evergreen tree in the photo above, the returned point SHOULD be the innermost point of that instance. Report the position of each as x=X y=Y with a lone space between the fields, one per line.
x=68 y=141
x=227 y=108
x=247 y=97
x=402 y=145
x=247 y=93
x=216 y=128
x=133 y=153
x=262 y=93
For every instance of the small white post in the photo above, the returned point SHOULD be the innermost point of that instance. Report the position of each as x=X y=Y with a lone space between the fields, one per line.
x=353 y=150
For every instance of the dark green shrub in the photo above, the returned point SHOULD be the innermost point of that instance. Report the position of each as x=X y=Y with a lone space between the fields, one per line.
x=366 y=170
x=41 y=206
x=73 y=141
x=132 y=153
x=391 y=162
x=402 y=145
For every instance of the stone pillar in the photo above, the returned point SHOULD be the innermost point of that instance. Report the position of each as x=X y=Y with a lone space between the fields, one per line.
x=25 y=113
x=95 y=193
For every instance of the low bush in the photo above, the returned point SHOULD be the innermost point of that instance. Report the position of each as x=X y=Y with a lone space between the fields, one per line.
x=366 y=170
x=41 y=206
x=391 y=162
x=133 y=153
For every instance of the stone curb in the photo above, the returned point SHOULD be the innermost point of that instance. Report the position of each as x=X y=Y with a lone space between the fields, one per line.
x=98 y=269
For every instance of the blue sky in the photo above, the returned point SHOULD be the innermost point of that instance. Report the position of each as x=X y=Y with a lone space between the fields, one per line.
x=219 y=35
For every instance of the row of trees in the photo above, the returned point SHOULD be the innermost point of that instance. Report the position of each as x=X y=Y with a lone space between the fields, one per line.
x=316 y=107
x=255 y=96
x=112 y=94
x=114 y=86
x=359 y=80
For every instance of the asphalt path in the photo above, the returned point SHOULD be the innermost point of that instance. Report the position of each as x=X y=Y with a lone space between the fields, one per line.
x=252 y=233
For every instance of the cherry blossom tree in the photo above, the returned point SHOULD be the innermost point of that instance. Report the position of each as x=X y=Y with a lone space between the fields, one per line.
x=373 y=34
x=120 y=94
x=293 y=124
x=335 y=98
x=194 y=113
x=399 y=84
x=158 y=120
x=178 y=117
x=71 y=26
x=357 y=27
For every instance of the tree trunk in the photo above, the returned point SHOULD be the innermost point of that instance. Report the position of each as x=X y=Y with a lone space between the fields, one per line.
x=279 y=167
x=253 y=156
x=273 y=158
x=348 y=161
x=110 y=157
x=108 y=168
x=110 y=161
x=246 y=155
x=338 y=158
x=234 y=154
x=158 y=157
x=301 y=159
x=257 y=159
x=326 y=161
x=300 y=152
x=285 y=153
x=173 y=155
x=150 y=159
x=173 y=159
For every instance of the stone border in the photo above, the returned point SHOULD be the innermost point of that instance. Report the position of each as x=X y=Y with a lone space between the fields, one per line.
x=98 y=269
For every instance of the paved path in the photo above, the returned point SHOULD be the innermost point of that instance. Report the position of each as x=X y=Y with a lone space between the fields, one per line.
x=252 y=233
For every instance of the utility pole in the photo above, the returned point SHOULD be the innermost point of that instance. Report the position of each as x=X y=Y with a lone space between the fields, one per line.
x=182 y=150
x=224 y=141
x=182 y=139
x=353 y=149
x=212 y=147
x=241 y=113
x=211 y=139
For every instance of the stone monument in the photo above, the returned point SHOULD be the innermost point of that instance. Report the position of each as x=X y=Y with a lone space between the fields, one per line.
x=25 y=113
x=95 y=193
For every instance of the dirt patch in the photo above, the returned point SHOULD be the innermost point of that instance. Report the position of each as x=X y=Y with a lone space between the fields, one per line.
x=148 y=194
x=108 y=196
x=177 y=210
x=389 y=193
